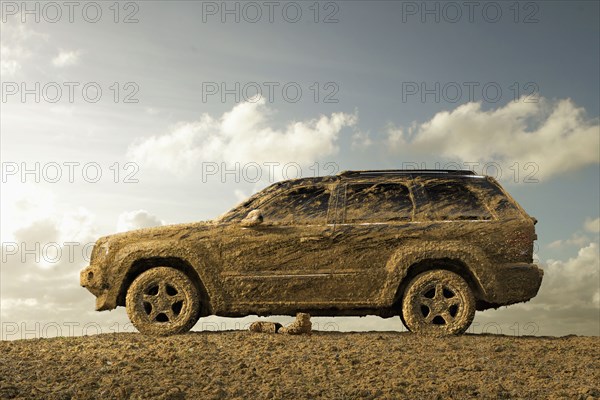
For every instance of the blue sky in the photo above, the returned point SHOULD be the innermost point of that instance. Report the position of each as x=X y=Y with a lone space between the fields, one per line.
x=367 y=61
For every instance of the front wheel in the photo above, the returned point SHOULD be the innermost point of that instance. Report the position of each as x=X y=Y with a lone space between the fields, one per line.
x=163 y=301
x=438 y=302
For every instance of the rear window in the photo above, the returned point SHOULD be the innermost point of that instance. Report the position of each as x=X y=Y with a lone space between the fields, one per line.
x=380 y=202
x=496 y=200
x=454 y=201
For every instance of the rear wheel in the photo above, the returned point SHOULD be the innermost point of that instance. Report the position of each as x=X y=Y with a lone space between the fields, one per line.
x=163 y=301
x=438 y=302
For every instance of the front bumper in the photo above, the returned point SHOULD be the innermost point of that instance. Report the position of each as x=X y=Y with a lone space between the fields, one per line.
x=91 y=278
x=515 y=283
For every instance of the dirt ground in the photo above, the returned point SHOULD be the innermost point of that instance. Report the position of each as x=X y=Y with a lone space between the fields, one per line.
x=328 y=365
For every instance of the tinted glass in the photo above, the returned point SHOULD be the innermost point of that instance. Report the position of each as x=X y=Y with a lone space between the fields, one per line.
x=496 y=200
x=382 y=202
x=306 y=204
x=454 y=201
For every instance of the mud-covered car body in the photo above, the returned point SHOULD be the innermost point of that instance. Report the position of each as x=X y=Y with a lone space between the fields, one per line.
x=337 y=245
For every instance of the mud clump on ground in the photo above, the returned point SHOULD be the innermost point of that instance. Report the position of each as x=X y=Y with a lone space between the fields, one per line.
x=301 y=325
x=324 y=365
x=265 y=327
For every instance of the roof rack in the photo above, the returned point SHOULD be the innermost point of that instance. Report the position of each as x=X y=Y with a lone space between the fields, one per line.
x=380 y=172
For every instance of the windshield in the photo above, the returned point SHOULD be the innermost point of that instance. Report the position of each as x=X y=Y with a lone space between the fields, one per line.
x=239 y=212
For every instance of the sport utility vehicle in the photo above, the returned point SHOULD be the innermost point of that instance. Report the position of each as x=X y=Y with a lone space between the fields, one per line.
x=430 y=246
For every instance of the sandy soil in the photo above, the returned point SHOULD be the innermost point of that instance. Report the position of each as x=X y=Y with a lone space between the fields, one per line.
x=248 y=365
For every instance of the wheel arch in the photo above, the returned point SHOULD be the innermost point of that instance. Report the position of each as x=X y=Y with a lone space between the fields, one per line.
x=144 y=264
x=455 y=265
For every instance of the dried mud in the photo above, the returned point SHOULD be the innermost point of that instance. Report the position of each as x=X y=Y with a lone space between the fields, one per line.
x=328 y=365
x=323 y=265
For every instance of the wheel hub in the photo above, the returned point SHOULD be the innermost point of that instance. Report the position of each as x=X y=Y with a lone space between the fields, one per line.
x=439 y=304
x=162 y=302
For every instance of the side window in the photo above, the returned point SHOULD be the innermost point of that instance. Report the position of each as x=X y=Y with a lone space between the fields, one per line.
x=452 y=201
x=380 y=202
x=497 y=201
x=305 y=204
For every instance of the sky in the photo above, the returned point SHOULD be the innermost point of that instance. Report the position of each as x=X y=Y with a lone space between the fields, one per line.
x=118 y=116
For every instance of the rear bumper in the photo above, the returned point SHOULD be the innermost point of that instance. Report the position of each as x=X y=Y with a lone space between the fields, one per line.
x=515 y=283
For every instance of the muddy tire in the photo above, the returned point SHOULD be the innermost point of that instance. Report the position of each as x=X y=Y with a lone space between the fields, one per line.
x=438 y=302
x=163 y=301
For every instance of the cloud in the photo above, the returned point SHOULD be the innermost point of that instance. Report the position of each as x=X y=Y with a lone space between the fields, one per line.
x=574 y=283
x=578 y=238
x=568 y=301
x=592 y=225
x=12 y=50
x=240 y=195
x=39 y=296
x=555 y=135
x=361 y=140
x=66 y=58
x=241 y=135
x=41 y=261
x=8 y=67
x=17 y=45
x=40 y=267
x=138 y=219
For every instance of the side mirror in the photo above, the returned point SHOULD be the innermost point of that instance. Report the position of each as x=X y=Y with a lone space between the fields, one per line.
x=253 y=218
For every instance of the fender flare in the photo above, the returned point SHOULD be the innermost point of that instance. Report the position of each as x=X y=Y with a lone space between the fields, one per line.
x=457 y=255
x=126 y=266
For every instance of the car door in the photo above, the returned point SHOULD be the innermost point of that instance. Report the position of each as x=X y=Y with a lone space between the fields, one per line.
x=282 y=263
x=376 y=220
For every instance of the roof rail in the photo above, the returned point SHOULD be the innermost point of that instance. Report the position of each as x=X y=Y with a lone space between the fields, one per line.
x=380 y=172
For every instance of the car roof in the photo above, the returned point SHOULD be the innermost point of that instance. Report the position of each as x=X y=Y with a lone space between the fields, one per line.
x=441 y=173
x=381 y=174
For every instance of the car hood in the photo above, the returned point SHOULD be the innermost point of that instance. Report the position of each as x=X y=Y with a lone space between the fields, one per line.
x=175 y=232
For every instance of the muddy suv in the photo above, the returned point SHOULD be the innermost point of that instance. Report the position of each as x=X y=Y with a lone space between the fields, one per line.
x=430 y=246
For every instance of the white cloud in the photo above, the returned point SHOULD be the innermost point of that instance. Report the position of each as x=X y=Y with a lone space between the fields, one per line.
x=8 y=67
x=592 y=225
x=555 y=135
x=37 y=295
x=240 y=195
x=572 y=283
x=578 y=238
x=17 y=44
x=49 y=243
x=41 y=262
x=568 y=301
x=131 y=220
x=66 y=58
x=241 y=135
x=361 y=139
